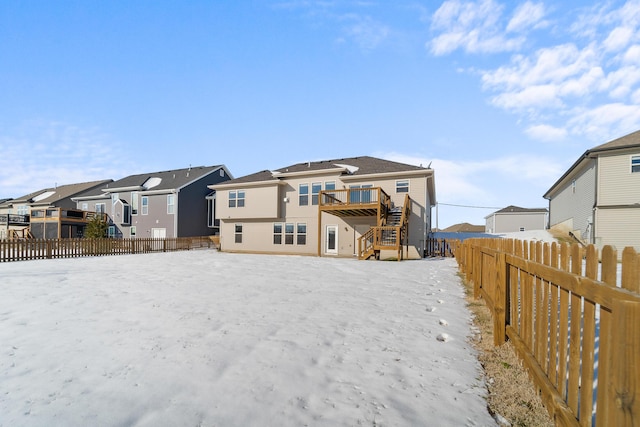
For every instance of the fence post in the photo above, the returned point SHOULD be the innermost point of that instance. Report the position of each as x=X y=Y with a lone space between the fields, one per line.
x=49 y=249
x=499 y=300
x=624 y=386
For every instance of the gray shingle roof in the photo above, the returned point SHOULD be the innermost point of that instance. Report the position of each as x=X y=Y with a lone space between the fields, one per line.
x=518 y=209
x=365 y=165
x=627 y=141
x=168 y=180
x=59 y=192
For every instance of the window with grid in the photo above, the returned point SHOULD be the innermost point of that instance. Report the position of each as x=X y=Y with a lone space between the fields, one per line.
x=238 y=233
x=635 y=163
x=303 y=195
x=277 y=233
x=288 y=233
x=301 y=234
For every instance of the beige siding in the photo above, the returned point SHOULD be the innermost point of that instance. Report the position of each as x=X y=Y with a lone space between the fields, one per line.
x=617 y=185
x=266 y=205
x=510 y=222
x=618 y=227
x=260 y=202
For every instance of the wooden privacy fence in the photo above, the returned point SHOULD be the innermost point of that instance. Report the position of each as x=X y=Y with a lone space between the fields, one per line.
x=29 y=249
x=573 y=320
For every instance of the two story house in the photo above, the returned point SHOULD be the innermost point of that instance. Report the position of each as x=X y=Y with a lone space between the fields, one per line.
x=49 y=213
x=359 y=206
x=598 y=198
x=174 y=203
x=514 y=218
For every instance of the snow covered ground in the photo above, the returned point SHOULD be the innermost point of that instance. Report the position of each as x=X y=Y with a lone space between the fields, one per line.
x=202 y=338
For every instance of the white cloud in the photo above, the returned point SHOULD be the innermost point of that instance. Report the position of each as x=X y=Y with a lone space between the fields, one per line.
x=604 y=121
x=546 y=133
x=475 y=27
x=527 y=15
x=41 y=154
x=618 y=38
x=566 y=84
x=365 y=31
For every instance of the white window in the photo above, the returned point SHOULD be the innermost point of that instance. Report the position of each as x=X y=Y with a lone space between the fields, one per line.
x=635 y=163
x=144 y=201
x=211 y=212
x=114 y=198
x=315 y=190
x=238 y=233
x=288 y=234
x=402 y=186
x=236 y=199
x=23 y=210
x=134 y=203
x=111 y=231
x=85 y=206
x=303 y=198
x=277 y=233
x=100 y=208
x=133 y=231
x=126 y=213
x=301 y=234
x=171 y=200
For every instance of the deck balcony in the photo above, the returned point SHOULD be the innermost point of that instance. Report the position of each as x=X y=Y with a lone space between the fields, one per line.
x=356 y=202
x=12 y=219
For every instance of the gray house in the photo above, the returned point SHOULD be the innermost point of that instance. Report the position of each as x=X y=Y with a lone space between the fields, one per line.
x=598 y=198
x=514 y=218
x=174 y=203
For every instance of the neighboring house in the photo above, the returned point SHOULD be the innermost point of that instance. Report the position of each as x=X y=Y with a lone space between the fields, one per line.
x=49 y=213
x=344 y=207
x=464 y=227
x=598 y=198
x=175 y=203
x=514 y=218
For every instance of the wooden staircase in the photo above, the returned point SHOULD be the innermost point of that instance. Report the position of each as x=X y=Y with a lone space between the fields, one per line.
x=23 y=234
x=390 y=234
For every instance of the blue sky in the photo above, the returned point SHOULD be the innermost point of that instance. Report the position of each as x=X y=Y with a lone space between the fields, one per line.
x=500 y=97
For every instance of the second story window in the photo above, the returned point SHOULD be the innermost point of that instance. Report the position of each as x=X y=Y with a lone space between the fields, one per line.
x=303 y=190
x=402 y=186
x=236 y=199
x=134 y=203
x=171 y=201
x=22 y=210
x=635 y=163
x=315 y=190
x=100 y=208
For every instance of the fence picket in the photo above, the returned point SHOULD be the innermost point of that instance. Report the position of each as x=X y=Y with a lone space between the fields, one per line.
x=31 y=249
x=562 y=319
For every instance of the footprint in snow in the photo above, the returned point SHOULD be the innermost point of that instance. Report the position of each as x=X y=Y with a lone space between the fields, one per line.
x=443 y=337
x=443 y=322
x=440 y=301
x=431 y=309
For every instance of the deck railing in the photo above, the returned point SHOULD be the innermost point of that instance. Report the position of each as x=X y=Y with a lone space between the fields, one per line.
x=573 y=316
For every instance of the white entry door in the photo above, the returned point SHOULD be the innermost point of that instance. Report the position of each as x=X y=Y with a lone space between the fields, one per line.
x=159 y=233
x=331 y=240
